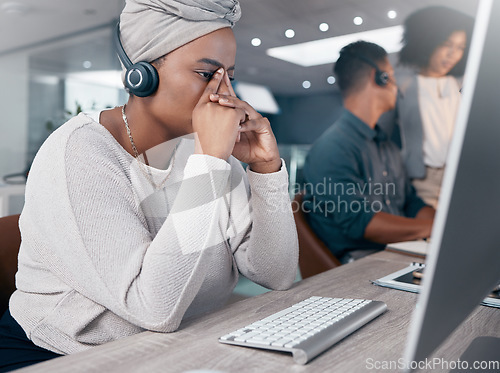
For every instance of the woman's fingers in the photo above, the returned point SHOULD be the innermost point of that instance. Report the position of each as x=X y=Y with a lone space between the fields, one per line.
x=255 y=125
x=216 y=126
x=235 y=102
x=212 y=86
x=229 y=85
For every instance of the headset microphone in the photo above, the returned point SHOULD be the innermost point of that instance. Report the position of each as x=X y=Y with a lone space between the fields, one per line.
x=141 y=78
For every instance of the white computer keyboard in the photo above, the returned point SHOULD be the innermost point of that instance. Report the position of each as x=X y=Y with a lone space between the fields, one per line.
x=307 y=328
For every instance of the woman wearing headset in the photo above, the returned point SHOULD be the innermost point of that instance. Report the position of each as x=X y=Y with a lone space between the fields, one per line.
x=435 y=45
x=140 y=216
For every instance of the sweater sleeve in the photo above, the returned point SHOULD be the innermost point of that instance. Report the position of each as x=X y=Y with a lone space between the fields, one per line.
x=90 y=228
x=96 y=238
x=269 y=254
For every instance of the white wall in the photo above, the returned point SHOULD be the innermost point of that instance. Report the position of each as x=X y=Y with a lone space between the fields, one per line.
x=14 y=75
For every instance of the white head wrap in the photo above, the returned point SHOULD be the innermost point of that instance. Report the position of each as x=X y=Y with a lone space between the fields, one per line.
x=149 y=29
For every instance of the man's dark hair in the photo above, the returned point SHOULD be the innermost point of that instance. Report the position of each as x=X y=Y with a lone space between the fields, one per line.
x=428 y=28
x=352 y=71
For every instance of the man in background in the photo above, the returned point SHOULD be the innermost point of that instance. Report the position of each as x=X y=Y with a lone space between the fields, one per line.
x=357 y=195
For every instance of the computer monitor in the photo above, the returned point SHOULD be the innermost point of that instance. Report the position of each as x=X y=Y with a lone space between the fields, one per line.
x=463 y=263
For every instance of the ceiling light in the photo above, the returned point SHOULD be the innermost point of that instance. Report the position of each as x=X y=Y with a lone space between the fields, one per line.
x=14 y=8
x=357 y=21
x=330 y=79
x=107 y=78
x=46 y=79
x=289 y=33
x=392 y=14
x=258 y=96
x=324 y=27
x=306 y=84
x=323 y=51
x=256 y=42
x=87 y=64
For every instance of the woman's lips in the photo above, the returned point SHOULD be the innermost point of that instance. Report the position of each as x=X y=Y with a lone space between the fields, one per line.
x=447 y=65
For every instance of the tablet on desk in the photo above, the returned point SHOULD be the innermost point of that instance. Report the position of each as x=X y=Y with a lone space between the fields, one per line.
x=407 y=279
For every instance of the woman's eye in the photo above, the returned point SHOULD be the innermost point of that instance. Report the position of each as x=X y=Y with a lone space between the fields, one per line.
x=206 y=75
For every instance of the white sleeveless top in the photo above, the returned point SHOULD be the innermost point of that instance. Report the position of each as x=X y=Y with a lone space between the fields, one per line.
x=439 y=99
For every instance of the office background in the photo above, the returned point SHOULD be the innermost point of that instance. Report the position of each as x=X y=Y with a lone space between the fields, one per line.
x=56 y=58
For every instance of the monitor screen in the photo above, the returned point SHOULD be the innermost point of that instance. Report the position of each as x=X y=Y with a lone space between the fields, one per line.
x=463 y=264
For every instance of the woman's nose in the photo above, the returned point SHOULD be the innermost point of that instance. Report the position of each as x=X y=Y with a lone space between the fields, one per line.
x=455 y=52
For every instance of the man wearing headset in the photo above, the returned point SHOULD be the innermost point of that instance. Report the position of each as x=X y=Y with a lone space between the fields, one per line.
x=357 y=195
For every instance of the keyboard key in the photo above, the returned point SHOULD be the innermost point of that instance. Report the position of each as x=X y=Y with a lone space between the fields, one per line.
x=261 y=342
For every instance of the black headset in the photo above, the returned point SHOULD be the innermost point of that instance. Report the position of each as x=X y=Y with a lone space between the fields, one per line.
x=381 y=77
x=141 y=78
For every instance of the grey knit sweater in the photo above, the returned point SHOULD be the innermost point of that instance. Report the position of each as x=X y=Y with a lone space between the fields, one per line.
x=105 y=255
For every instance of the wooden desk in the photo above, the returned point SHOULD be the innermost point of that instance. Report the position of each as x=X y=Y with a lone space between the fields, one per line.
x=195 y=345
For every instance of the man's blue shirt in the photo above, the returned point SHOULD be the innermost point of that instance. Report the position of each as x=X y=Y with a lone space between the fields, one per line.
x=351 y=173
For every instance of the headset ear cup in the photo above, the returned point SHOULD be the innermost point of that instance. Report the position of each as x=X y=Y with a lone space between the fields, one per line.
x=381 y=78
x=142 y=79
